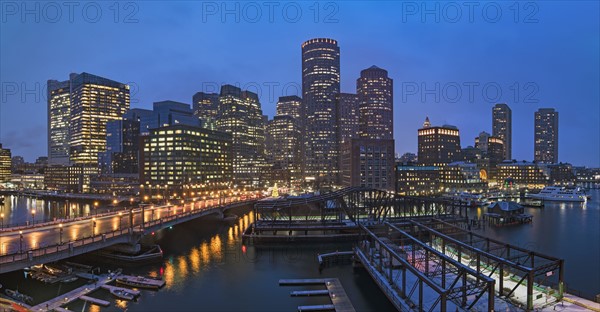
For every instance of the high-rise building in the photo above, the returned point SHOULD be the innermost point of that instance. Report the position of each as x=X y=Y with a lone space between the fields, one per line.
x=502 y=127
x=290 y=106
x=240 y=115
x=122 y=147
x=94 y=101
x=59 y=117
x=180 y=156
x=320 y=87
x=283 y=150
x=206 y=108
x=348 y=114
x=5 y=164
x=375 y=96
x=148 y=119
x=368 y=163
x=171 y=113
x=438 y=145
x=546 y=136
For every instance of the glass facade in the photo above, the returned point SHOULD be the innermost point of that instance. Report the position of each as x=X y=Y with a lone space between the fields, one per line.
x=546 y=136
x=376 y=104
x=59 y=116
x=502 y=127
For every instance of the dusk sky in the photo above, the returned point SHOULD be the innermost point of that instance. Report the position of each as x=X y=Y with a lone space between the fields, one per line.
x=548 y=52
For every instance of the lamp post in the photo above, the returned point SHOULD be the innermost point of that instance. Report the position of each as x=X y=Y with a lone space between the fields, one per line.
x=1 y=220
x=32 y=216
x=93 y=226
x=61 y=231
x=120 y=220
x=21 y=242
x=96 y=207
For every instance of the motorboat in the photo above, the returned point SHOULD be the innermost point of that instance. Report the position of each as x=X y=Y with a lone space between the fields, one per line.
x=560 y=193
x=122 y=294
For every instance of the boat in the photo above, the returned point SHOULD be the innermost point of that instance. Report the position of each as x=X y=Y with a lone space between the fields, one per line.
x=15 y=294
x=122 y=294
x=470 y=199
x=560 y=193
x=140 y=282
x=532 y=203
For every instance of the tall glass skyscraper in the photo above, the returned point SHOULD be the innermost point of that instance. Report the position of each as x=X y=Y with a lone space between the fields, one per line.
x=94 y=102
x=502 y=127
x=59 y=117
x=320 y=88
x=376 y=105
x=546 y=136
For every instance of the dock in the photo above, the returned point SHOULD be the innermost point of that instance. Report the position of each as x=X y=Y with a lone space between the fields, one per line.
x=333 y=257
x=129 y=290
x=321 y=307
x=307 y=293
x=139 y=281
x=339 y=299
x=97 y=301
x=75 y=294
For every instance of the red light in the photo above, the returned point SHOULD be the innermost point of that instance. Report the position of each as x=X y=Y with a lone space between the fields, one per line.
x=152 y=233
x=162 y=271
x=244 y=248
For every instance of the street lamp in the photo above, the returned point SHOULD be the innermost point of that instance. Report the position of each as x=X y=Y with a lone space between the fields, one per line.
x=33 y=216
x=1 y=220
x=21 y=242
x=61 y=231
x=120 y=219
x=93 y=226
x=96 y=207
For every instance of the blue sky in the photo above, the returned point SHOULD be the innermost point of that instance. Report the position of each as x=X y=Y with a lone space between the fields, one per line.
x=544 y=54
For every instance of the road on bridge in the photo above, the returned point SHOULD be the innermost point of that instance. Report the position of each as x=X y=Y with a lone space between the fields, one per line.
x=18 y=240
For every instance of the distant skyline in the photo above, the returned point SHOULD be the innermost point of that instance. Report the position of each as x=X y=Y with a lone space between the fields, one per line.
x=176 y=50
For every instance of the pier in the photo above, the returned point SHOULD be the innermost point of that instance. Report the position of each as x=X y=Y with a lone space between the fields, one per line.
x=339 y=299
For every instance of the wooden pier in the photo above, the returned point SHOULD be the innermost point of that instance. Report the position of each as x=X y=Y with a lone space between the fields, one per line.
x=308 y=293
x=97 y=301
x=339 y=299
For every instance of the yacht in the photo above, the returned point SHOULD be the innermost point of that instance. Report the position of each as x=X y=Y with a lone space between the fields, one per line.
x=559 y=193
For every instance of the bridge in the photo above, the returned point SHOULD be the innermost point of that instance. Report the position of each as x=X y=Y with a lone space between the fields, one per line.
x=419 y=251
x=21 y=247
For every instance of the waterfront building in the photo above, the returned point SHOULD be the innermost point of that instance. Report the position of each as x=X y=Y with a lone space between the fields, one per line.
x=5 y=164
x=546 y=136
x=523 y=174
x=59 y=117
x=181 y=156
x=320 y=89
x=348 y=114
x=93 y=102
x=562 y=174
x=240 y=115
x=438 y=145
x=71 y=179
x=28 y=180
x=492 y=153
x=461 y=176
x=368 y=163
x=412 y=180
x=502 y=127
x=375 y=97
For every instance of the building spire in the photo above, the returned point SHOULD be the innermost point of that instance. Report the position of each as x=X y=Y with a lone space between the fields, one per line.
x=426 y=124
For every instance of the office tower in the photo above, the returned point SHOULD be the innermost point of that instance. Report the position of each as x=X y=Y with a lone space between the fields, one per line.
x=320 y=87
x=122 y=147
x=59 y=117
x=438 y=145
x=348 y=113
x=94 y=101
x=240 y=115
x=491 y=147
x=290 y=106
x=170 y=113
x=546 y=136
x=148 y=119
x=368 y=163
x=181 y=156
x=206 y=108
x=283 y=150
x=5 y=164
x=502 y=127
x=375 y=96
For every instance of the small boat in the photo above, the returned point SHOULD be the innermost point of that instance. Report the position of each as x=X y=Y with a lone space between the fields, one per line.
x=15 y=294
x=70 y=279
x=122 y=294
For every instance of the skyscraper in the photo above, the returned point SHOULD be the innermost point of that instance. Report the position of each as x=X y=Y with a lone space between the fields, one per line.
x=206 y=107
x=59 y=117
x=546 y=135
x=94 y=101
x=290 y=106
x=240 y=115
x=122 y=147
x=502 y=127
x=438 y=145
x=320 y=87
x=348 y=116
x=283 y=149
x=375 y=97
x=5 y=164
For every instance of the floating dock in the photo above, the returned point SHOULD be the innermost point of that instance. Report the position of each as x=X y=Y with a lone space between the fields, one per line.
x=308 y=293
x=129 y=290
x=77 y=293
x=97 y=301
x=339 y=299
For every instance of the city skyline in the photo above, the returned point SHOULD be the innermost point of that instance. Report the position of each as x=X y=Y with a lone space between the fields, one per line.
x=22 y=127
